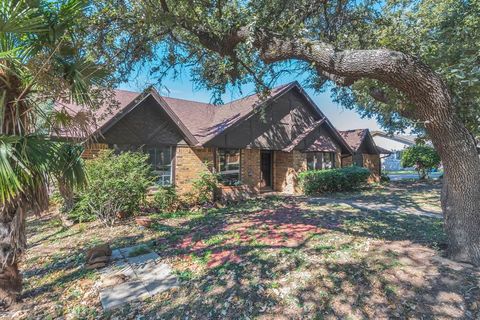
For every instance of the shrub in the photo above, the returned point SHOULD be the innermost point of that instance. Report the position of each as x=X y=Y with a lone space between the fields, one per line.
x=115 y=183
x=332 y=180
x=424 y=158
x=203 y=189
x=166 y=199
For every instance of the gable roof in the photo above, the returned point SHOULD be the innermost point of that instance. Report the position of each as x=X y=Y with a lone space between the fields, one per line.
x=199 y=122
x=356 y=137
x=403 y=138
x=302 y=136
x=206 y=121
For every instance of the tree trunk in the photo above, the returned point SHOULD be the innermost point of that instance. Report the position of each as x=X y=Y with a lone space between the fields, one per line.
x=12 y=246
x=432 y=105
x=424 y=89
x=461 y=190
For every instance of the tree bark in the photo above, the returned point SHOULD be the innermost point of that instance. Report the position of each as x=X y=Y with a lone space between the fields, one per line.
x=433 y=105
x=12 y=246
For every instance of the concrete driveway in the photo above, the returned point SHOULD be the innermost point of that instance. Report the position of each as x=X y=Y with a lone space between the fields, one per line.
x=406 y=176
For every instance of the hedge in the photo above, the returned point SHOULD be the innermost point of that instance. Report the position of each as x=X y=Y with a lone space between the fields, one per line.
x=332 y=180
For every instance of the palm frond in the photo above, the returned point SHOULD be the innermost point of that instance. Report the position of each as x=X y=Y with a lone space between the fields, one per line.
x=27 y=161
x=19 y=17
x=69 y=165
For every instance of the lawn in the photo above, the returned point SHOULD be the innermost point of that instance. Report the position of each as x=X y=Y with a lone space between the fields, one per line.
x=272 y=258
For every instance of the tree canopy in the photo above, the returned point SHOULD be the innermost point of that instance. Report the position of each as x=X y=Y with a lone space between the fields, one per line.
x=348 y=44
x=172 y=36
x=424 y=158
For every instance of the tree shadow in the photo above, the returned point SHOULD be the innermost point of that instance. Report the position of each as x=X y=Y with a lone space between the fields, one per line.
x=283 y=258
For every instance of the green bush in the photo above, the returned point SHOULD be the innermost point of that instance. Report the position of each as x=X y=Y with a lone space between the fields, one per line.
x=166 y=199
x=424 y=158
x=332 y=180
x=116 y=183
x=203 y=189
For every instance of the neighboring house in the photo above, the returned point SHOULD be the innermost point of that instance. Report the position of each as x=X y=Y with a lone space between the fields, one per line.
x=254 y=144
x=394 y=144
x=365 y=152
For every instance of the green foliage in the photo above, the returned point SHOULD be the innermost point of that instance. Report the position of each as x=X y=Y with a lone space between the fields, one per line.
x=333 y=180
x=424 y=158
x=116 y=183
x=443 y=33
x=203 y=189
x=166 y=199
x=139 y=250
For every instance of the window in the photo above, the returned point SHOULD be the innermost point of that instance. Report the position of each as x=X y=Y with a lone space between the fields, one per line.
x=320 y=160
x=161 y=160
x=229 y=166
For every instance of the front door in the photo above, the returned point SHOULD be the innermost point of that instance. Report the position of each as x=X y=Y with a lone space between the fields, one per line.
x=266 y=169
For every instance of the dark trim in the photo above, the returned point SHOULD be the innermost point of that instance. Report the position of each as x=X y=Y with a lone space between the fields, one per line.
x=135 y=102
x=188 y=135
x=254 y=109
x=122 y=113
x=174 y=165
x=304 y=135
x=271 y=153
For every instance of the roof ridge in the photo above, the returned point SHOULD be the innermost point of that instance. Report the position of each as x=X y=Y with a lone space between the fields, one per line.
x=195 y=101
x=281 y=86
x=352 y=130
x=124 y=90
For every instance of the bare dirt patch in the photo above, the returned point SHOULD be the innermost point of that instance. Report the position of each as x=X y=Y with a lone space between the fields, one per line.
x=275 y=258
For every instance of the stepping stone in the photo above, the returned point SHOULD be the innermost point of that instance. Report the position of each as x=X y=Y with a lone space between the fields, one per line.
x=157 y=277
x=112 y=297
x=129 y=250
x=146 y=276
x=116 y=255
x=144 y=258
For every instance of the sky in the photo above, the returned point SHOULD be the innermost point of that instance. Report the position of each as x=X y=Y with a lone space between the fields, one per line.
x=183 y=88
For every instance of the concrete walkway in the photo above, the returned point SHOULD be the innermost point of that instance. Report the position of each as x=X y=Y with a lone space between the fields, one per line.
x=384 y=207
x=131 y=277
x=406 y=176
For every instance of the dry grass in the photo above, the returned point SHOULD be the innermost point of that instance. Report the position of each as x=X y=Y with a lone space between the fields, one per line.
x=278 y=258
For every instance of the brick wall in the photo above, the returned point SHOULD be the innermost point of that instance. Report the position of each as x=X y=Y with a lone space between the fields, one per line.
x=347 y=161
x=93 y=149
x=189 y=164
x=286 y=167
x=372 y=162
x=250 y=168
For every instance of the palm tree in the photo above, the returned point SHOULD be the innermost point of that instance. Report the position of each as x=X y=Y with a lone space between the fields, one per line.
x=40 y=62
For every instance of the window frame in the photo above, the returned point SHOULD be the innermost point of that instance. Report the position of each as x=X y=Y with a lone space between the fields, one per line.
x=219 y=163
x=319 y=157
x=161 y=181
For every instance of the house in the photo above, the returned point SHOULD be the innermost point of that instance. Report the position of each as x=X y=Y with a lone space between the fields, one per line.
x=394 y=144
x=365 y=152
x=254 y=144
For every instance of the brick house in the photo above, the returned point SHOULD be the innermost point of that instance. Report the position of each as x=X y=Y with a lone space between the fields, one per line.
x=255 y=143
x=365 y=152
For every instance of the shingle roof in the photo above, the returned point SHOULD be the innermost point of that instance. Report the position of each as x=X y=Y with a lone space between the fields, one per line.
x=99 y=117
x=203 y=120
x=323 y=144
x=354 y=138
x=383 y=150
x=302 y=136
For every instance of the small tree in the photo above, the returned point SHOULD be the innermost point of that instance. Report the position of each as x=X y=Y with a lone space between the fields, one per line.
x=116 y=183
x=423 y=158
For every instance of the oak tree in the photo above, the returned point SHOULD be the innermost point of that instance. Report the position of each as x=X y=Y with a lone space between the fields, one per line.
x=341 y=43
